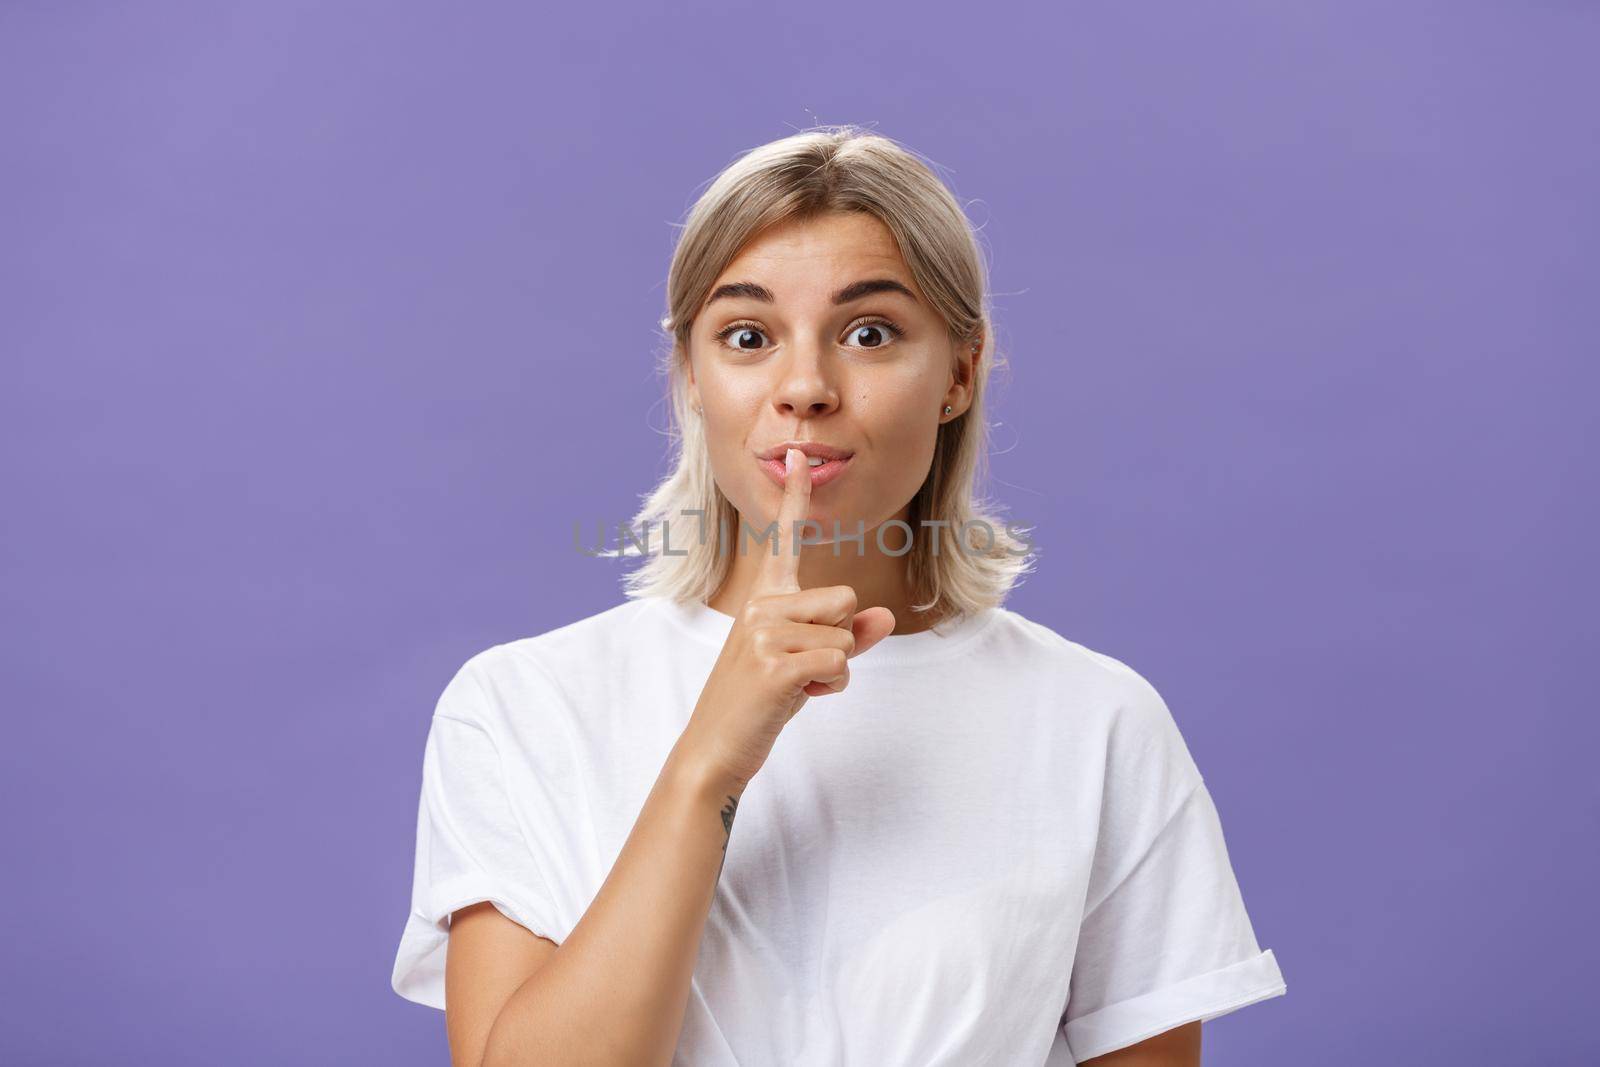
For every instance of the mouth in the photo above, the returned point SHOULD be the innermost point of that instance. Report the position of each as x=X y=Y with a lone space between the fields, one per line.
x=823 y=469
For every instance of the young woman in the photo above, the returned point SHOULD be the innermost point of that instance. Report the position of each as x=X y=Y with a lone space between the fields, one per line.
x=821 y=798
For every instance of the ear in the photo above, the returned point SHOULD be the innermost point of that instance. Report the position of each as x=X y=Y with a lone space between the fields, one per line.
x=962 y=375
x=691 y=390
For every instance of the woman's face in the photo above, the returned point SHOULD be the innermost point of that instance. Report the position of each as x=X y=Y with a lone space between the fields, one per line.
x=784 y=351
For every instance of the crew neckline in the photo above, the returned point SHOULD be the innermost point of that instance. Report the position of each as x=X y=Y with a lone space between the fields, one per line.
x=710 y=626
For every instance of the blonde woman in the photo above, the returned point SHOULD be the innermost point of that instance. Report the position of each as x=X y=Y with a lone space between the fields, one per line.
x=819 y=797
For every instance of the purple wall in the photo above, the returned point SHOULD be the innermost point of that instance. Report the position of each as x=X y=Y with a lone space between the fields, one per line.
x=304 y=305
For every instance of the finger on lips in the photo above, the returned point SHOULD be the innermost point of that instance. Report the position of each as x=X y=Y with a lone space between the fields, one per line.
x=784 y=568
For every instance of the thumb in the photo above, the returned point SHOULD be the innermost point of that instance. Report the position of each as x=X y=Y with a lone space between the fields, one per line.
x=871 y=626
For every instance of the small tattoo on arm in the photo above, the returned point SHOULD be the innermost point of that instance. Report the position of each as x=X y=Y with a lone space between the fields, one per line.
x=727 y=829
x=727 y=820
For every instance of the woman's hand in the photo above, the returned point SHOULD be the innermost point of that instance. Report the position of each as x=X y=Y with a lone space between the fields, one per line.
x=787 y=645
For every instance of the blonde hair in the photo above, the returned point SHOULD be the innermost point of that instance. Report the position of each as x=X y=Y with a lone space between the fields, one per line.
x=825 y=169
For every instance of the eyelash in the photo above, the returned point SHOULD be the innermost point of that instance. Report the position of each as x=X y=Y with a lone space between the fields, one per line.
x=733 y=327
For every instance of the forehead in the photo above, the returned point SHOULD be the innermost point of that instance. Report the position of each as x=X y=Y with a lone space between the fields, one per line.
x=806 y=258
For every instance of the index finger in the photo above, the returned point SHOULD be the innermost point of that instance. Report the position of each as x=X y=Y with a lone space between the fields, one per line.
x=781 y=573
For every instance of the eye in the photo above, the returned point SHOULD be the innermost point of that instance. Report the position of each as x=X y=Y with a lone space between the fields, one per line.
x=740 y=332
x=880 y=331
x=873 y=333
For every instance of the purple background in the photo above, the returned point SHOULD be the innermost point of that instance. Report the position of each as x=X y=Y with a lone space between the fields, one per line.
x=323 y=322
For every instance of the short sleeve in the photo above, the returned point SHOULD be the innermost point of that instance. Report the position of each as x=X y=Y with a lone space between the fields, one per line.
x=469 y=847
x=1165 y=938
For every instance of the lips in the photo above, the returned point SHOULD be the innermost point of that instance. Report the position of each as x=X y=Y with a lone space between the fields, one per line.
x=812 y=449
x=821 y=474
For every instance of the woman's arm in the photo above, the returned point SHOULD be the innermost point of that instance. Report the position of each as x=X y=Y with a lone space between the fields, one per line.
x=1178 y=1047
x=615 y=991
x=487 y=958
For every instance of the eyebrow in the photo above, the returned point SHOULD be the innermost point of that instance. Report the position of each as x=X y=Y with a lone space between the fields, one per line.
x=854 y=291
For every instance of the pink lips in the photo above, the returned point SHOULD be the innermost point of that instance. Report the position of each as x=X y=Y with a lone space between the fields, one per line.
x=820 y=475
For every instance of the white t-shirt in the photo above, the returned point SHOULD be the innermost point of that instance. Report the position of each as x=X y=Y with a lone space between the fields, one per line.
x=992 y=848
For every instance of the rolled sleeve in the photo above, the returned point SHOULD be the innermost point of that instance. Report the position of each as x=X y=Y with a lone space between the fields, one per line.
x=1169 y=943
x=469 y=847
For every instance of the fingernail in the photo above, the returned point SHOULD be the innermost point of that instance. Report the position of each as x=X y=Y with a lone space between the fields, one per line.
x=788 y=460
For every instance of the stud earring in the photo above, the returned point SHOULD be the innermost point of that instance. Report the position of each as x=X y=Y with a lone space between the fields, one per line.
x=948 y=409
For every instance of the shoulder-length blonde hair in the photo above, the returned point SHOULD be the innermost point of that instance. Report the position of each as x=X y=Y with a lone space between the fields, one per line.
x=834 y=168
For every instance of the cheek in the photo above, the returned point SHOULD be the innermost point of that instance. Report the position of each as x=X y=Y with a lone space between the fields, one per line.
x=731 y=415
x=899 y=413
x=733 y=395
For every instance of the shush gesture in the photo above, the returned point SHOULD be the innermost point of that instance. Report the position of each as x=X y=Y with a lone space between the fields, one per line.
x=787 y=645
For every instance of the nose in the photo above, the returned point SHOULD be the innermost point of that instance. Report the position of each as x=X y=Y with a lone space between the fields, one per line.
x=806 y=387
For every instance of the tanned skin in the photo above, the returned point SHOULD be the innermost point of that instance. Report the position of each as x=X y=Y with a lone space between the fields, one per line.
x=615 y=991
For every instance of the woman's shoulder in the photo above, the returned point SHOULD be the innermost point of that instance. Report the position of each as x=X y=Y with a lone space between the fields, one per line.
x=1141 y=738
x=556 y=657
x=1086 y=680
x=1025 y=638
x=593 y=634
